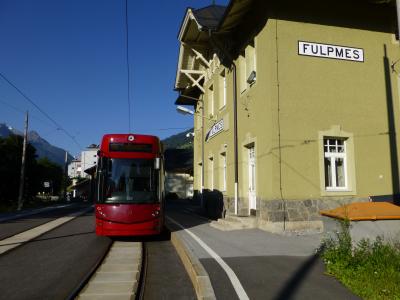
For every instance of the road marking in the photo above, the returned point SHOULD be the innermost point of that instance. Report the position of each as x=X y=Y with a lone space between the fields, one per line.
x=20 y=238
x=241 y=293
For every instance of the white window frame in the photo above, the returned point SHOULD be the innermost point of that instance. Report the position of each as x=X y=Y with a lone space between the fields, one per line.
x=211 y=100
x=211 y=174
x=201 y=175
x=250 y=59
x=224 y=173
x=333 y=156
x=223 y=89
x=252 y=168
x=242 y=73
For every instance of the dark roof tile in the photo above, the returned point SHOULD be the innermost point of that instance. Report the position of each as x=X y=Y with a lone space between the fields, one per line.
x=209 y=16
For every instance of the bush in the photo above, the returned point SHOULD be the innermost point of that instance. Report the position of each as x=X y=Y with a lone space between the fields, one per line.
x=371 y=269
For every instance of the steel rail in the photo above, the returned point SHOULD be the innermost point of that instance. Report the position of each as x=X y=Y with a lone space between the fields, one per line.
x=75 y=292
x=143 y=273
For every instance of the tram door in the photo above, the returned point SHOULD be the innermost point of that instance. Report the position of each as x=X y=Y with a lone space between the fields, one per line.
x=252 y=178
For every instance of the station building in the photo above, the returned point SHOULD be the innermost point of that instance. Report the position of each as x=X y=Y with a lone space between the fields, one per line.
x=296 y=106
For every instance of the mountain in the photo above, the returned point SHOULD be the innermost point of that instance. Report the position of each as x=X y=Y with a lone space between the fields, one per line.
x=43 y=147
x=178 y=152
x=179 y=141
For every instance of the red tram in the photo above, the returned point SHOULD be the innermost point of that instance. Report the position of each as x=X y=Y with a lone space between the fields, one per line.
x=129 y=196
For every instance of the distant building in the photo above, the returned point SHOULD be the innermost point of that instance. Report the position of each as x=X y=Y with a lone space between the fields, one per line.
x=83 y=168
x=179 y=173
x=75 y=169
x=88 y=158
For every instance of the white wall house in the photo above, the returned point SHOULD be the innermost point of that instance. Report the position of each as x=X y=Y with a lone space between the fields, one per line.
x=180 y=184
x=75 y=169
x=88 y=159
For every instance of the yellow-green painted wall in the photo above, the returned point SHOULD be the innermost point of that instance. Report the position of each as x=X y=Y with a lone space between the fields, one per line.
x=295 y=98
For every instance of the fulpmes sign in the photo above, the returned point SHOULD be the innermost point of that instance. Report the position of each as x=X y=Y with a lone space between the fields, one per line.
x=331 y=51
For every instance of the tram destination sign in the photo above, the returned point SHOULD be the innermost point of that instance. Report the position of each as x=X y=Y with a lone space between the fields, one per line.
x=330 y=51
x=215 y=129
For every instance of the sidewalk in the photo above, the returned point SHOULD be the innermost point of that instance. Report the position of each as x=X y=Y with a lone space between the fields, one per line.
x=254 y=264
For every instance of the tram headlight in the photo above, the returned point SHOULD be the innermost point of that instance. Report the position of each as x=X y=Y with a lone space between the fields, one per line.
x=156 y=213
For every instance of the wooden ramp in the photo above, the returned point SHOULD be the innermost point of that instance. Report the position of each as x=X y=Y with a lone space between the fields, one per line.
x=365 y=211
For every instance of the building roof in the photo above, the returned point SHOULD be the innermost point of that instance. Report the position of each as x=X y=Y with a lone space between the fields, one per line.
x=90 y=170
x=190 y=97
x=233 y=14
x=194 y=33
x=210 y=16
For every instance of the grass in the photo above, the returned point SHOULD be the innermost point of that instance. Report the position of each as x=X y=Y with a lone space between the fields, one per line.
x=370 y=269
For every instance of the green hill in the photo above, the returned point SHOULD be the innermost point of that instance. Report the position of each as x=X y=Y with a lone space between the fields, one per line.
x=179 y=141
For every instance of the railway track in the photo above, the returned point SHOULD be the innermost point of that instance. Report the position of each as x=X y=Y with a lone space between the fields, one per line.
x=139 y=268
x=44 y=255
x=158 y=275
x=118 y=274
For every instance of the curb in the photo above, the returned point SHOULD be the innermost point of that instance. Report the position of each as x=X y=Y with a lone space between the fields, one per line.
x=198 y=275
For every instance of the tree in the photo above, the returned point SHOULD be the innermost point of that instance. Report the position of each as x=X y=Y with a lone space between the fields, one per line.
x=10 y=168
x=51 y=172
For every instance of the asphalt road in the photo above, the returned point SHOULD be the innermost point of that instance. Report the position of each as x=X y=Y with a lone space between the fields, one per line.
x=166 y=278
x=12 y=227
x=51 y=266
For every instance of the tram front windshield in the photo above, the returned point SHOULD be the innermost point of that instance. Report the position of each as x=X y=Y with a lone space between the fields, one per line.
x=130 y=181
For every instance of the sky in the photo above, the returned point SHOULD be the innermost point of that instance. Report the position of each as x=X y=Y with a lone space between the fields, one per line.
x=69 y=58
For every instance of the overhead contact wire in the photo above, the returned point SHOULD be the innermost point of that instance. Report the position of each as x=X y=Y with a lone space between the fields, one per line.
x=127 y=64
x=40 y=110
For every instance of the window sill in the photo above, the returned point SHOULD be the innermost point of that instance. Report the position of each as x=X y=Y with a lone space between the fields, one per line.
x=338 y=192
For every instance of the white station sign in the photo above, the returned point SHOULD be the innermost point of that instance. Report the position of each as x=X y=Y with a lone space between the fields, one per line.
x=331 y=51
x=217 y=128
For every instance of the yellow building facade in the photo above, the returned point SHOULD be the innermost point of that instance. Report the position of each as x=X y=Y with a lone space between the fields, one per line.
x=296 y=106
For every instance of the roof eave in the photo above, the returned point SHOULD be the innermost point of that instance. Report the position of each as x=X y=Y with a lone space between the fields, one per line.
x=188 y=17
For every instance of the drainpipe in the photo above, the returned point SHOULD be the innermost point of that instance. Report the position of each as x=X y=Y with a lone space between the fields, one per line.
x=235 y=137
x=235 y=121
x=398 y=15
x=202 y=156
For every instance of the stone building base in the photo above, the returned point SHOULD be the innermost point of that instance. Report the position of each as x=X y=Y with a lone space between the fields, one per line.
x=289 y=216
x=292 y=227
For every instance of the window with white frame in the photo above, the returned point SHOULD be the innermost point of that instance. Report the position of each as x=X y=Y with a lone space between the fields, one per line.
x=198 y=119
x=222 y=89
x=250 y=63
x=335 y=163
x=223 y=170
x=242 y=72
x=211 y=100
x=200 y=175
x=211 y=173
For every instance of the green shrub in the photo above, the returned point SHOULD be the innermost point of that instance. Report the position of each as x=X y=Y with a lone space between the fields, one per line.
x=371 y=269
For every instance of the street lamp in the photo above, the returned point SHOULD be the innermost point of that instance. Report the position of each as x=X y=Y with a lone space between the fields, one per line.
x=184 y=111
